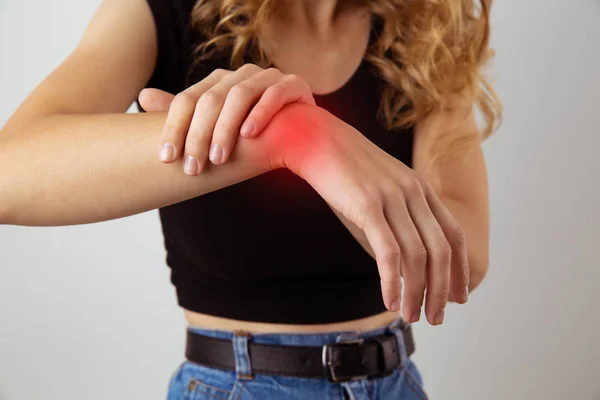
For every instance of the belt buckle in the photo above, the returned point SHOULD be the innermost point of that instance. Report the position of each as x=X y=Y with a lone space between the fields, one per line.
x=329 y=366
x=387 y=346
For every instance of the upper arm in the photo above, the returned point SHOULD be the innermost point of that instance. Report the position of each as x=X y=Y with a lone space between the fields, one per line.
x=107 y=69
x=448 y=153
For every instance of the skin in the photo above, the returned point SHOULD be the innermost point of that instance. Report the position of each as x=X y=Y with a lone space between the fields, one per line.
x=87 y=162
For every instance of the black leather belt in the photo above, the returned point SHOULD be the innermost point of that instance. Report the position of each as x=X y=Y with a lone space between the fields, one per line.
x=337 y=362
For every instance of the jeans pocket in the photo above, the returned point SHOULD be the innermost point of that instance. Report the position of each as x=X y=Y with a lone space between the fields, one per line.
x=204 y=383
x=197 y=389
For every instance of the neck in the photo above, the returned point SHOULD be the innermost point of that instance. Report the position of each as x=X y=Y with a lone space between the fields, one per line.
x=317 y=15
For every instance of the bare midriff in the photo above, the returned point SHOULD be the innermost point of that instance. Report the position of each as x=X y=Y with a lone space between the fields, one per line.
x=205 y=321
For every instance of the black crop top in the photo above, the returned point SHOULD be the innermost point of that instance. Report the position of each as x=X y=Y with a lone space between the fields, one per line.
x=269 y=248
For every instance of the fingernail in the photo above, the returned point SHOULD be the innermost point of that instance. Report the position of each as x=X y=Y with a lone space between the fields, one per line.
x=416 y=316
x=166 y=152
x=439 y=318
x=247 y=129
x=465 y=294
x=191 y=166
x=395 y=305
x=216 y=154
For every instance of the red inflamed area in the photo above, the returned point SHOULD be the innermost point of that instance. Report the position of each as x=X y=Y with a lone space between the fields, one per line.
x=297 y=133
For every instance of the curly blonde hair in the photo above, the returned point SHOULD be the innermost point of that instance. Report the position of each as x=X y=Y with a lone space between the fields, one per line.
x=424 y=50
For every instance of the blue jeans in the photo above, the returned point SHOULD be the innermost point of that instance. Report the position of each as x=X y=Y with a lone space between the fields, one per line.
x=196 y=382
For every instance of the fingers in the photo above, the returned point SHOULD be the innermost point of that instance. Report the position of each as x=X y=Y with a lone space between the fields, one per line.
x=459 y=269
x=239 y=99
x=291 y=89
x=180 y=115
x=204 y=121
x=199 y=135
x=414 y=255
x=155 y=100
x=387 y=254
x=437 y=249
x=272 y=89
x=406 y=232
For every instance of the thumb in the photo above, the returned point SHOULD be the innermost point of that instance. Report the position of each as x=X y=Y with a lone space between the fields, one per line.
x=155 y=100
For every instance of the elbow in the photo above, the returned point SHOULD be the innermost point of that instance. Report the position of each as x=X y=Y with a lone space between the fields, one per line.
x=4 y=216
x=477 y=272
x=5 y=208
x=6 y=212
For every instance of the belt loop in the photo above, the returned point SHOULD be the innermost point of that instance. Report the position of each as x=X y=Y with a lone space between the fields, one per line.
x=243 y=366
x=397 y=327
x=347 y=336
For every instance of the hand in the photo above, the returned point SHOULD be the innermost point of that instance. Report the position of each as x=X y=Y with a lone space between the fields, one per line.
x=410 y=230
x=211 y=113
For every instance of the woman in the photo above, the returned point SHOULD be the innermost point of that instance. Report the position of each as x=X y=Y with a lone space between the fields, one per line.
x=359 y=163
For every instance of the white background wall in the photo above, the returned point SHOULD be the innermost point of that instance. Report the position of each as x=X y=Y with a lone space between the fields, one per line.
x=87 y=312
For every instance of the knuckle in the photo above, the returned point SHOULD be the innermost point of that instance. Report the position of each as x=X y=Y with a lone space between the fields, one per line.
x=276 y=93
x=392 y=190
x=273 y=71
x=298 y=80
x=412 y=186
x=465 y=271
x=294 y=78
x=390 y=275
x=183 y=99
x=418 y=255
x=459 y=237
x=219 y=72
x=211 y=98
x=425 y=186
x=420 y=178
x=391 y=254
x=249 y=68
x=444 y=252
x=369 y=203
x=241 y=90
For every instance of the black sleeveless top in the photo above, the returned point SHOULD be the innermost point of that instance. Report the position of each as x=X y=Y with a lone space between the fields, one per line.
x=269 y=248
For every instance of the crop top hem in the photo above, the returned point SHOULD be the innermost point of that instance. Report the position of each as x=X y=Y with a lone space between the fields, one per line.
x=366 y=303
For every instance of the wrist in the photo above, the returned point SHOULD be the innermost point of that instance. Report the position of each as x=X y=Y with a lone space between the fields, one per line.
x=294 y=133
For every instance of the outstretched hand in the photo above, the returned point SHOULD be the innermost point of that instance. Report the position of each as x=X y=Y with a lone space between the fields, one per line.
x=411 y=232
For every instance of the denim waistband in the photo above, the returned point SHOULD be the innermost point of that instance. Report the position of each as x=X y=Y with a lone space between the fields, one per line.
x=240 y=343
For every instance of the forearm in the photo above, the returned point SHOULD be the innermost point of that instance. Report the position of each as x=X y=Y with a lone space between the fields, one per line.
x=74 y=169
x=476 y=232
x=448 y=154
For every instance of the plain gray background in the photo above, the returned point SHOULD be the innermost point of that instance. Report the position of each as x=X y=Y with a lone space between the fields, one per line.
x=87 y=312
